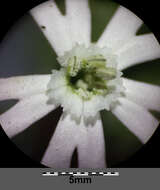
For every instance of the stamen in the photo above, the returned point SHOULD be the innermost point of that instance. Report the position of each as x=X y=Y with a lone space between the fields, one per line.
x=106 y=73
x=73 y=66
x=94 y=62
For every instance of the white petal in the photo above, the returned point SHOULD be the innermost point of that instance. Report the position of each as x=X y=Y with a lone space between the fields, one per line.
x=139 y=49
x=70 y=101
x=48 y=15
x=79 y=21
x=25 y=113
x=137 y=119
x=94 y=105
x=62 y=144
x=123 y=26
x=70 y=134
x=22 y=86
x=58 y=79
x=143 y=94
x=91 y=148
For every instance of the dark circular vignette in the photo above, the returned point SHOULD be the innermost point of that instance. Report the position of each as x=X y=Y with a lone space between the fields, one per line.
x=147 y=156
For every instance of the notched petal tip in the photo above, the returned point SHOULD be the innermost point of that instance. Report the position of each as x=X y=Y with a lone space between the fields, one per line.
x=121 y=28
x=136 y=118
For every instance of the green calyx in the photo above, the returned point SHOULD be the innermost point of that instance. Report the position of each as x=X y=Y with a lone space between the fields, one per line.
x=88 y=77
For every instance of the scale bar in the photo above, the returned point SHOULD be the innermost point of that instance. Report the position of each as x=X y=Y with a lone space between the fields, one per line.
x=80 y=174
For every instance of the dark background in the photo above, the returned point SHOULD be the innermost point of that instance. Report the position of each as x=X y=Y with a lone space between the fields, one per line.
x=10 y=155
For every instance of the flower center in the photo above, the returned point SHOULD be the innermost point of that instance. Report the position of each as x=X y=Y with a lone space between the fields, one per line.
x=89 y=76
x=87 y=82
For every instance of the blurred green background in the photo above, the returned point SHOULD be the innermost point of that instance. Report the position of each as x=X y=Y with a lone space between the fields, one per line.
x=26 y=51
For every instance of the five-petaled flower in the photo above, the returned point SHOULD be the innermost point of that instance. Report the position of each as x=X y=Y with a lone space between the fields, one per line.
x=89 y=80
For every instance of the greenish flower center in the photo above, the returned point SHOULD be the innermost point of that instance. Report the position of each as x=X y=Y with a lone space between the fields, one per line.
x=89 y=76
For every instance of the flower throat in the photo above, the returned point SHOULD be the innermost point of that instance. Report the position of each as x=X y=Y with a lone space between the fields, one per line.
x=89 y=76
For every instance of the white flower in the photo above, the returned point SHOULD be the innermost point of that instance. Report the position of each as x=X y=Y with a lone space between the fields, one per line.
x=90 y=79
